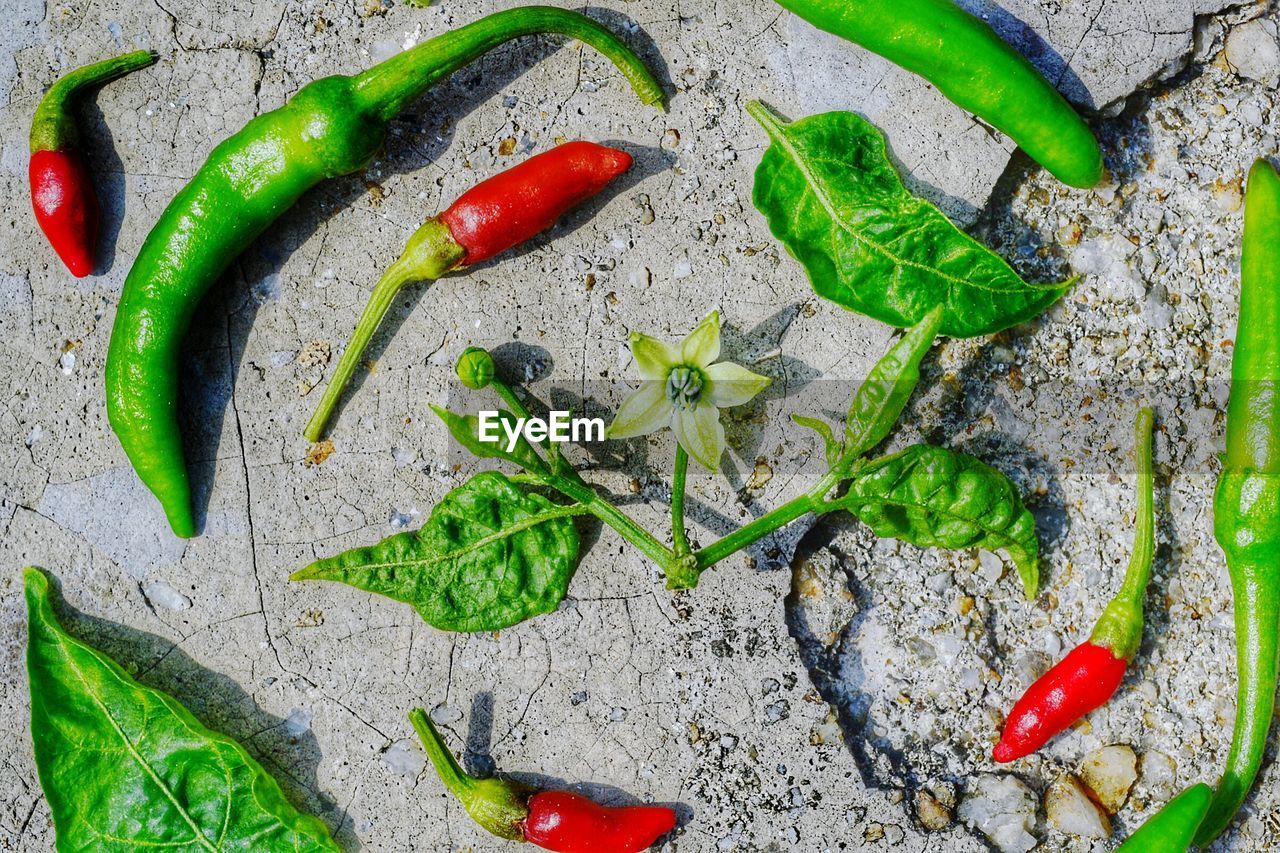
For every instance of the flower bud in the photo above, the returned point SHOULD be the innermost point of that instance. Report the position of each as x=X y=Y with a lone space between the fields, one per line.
x=475 y=368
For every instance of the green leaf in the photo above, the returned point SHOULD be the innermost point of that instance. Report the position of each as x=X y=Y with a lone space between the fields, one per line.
x=931 y=496
x=490 y=555
x=833 y=447
x=832 y=197
x=465 y=429
x=880 y=399
x=125 y=767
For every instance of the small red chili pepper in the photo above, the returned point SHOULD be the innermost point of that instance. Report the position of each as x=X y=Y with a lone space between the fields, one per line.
x=489 y=218
x=527 y=199
x=570 y=823
x=1088 y=676
x=62 y=193
x=554 y=820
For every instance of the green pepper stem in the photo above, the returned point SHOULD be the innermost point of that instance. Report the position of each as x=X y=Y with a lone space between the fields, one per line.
x=387 y=88
x=1257 y=601
x=53 y=128
x=678 y=536
x=451 y=773
x=1119 y=628
x=430 y=253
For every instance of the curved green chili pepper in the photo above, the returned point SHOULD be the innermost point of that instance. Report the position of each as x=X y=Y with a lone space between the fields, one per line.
x=1246 y=507
x=1170 y=830
x=976 y=69
x=331 y=127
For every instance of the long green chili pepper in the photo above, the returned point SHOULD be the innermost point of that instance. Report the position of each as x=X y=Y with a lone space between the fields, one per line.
x=331 y=127
x=1246 y=507
x=961 y=55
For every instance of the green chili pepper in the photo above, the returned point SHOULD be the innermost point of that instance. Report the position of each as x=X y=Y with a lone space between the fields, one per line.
x=972 y=66
x=331 y=127
x=1170 y=830
x=1246 y=508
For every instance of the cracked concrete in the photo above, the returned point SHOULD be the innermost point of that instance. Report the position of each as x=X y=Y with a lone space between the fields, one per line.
x=763 y=719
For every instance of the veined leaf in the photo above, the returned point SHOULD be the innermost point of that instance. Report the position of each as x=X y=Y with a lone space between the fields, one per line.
x=935 y=497
x=126 y=767
x=832 y=197
x=490 y=555
x=880 y=399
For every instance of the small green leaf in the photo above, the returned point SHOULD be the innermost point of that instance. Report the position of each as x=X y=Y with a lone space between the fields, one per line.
x=880 y=399
x=490 y=555
x=125 y=767
x=833 y=198
x=466 y=431
x=833 y=447
x=935 y=497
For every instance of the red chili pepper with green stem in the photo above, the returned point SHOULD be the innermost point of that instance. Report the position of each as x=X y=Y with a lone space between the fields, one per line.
x=503 y=211
x=1088 y=676
x=62 y=193
x=554 y=820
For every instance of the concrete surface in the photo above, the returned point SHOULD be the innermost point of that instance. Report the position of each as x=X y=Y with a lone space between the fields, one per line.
x=846 y=702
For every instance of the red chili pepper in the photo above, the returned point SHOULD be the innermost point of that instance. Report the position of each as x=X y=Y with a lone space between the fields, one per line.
x=62 y=193
x=527 y=199
x=489 y=218
x=1088 y=676
x=554 y=820
x=570 y=823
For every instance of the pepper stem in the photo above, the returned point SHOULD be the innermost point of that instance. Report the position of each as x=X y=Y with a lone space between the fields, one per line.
x=388 y=87
x=1120 y=626
x=498 y=805
x=430 y=253
x=457 y=780
x=53 y=128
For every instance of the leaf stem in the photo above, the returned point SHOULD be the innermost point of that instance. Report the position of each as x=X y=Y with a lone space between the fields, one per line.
x=508 y=395
x=747 y=535
x=624 y=524
x=678 y=536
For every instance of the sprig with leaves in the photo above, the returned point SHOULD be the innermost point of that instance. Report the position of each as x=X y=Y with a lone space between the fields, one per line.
x=502 y=548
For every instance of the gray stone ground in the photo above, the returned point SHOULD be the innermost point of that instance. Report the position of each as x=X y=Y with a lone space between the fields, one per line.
x=844 y=700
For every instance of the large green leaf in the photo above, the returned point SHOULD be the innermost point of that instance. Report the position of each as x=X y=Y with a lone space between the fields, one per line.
x=832 y=197
x=125 y=767
x=490 y=555
x=931 y=496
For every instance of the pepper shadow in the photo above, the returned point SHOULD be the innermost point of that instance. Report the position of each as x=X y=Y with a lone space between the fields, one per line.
x=478 y=761
x=465 y=90
x=291 y=757
x=107 y=170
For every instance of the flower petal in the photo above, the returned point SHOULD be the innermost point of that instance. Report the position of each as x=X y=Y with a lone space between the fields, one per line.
x=732 y=384
x=703 y=344
x=700 y=434
x=645 y=411
x=653 y=357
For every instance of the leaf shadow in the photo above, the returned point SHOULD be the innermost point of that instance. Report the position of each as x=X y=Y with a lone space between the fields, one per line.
x=291 y=757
